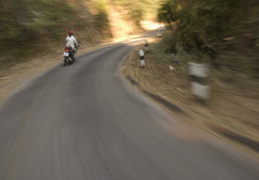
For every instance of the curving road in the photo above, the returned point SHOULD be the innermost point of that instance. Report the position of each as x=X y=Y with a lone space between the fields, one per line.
x=83 y=122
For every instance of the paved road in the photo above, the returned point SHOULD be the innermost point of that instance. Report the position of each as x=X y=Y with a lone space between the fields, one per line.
x=83 y=122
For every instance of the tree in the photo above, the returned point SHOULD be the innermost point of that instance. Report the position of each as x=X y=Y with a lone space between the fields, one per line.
x=168 y=11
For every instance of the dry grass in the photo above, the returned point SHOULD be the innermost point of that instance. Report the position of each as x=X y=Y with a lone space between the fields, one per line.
x=233 y=105
x=15 y=75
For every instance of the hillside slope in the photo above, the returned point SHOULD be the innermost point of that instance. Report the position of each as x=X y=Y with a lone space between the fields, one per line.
x=30 y=28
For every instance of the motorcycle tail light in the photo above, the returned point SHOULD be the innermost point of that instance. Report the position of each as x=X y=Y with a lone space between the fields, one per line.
x=66 y=50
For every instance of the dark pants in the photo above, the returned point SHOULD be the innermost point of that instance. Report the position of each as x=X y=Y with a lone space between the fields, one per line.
x=71 y=54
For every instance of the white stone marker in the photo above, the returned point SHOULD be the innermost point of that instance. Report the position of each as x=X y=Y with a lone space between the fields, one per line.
x=199 y=71
x=142 y=59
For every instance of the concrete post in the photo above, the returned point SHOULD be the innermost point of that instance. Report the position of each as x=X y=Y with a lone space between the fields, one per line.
x=199 y=73
x=146 y=47
x=142 y=58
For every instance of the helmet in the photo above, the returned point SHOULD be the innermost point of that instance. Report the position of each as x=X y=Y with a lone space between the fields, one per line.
x=70 y=33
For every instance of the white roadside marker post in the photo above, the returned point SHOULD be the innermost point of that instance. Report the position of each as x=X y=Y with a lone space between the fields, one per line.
x=199 y=73
x=146 y=47
x=142 y=59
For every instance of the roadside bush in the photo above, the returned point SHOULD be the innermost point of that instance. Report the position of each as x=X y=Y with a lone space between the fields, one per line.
x=211 y=27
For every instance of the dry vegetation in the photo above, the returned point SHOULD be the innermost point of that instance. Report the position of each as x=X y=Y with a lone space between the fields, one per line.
x=31 y=28
x=223 y=35
x=231 y=110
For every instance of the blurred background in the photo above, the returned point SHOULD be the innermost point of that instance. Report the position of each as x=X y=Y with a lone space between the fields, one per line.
x=202 y=28
x=38 y=26
x=222 y=34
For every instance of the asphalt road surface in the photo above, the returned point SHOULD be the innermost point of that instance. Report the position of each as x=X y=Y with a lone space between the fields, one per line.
x=84 y=122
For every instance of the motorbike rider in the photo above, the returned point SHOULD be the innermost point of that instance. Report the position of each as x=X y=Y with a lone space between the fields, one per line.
x=72 y=43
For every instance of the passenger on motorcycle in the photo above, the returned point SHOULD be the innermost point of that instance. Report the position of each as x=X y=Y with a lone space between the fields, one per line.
x=72 y=43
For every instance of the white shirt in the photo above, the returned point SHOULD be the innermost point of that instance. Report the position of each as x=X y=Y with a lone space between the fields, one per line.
x=141 y=52
x=71 y=41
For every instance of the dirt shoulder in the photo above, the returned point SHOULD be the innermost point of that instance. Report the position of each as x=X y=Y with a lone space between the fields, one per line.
x=231 y=113
x=16 y=75
x=16 y=71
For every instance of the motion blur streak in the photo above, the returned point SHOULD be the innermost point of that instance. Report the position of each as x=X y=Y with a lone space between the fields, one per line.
x=88 y=123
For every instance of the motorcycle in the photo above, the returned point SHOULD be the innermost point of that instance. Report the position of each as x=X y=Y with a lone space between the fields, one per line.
x=68 y=58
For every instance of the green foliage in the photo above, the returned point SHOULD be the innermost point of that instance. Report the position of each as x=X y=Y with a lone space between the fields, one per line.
x=168 y=11
x=202 y=26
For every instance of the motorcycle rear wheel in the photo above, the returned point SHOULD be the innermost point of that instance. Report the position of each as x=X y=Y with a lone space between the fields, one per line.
x=66 y=61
